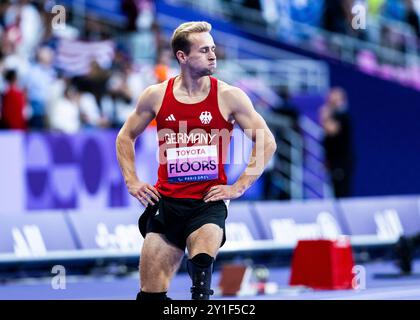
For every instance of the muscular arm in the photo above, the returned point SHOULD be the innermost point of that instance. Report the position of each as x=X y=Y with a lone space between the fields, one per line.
x=255 y=128
x=132 y=128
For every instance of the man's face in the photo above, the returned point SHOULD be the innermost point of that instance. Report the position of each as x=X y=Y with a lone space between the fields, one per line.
x=202 y=58
x=335 y=98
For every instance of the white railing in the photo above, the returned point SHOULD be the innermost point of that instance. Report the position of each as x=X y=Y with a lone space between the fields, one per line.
x=314 y=152
x=290 y=147
x=405 y=32
x=298 y=75
x=346 y=48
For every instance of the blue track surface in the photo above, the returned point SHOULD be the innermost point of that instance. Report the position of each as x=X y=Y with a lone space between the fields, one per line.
x=382 y=283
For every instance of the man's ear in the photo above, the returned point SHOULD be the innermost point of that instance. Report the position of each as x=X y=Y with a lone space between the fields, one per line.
x=182 y=57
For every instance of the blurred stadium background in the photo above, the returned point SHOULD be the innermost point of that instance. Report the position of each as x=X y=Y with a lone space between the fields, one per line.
x=67 y=86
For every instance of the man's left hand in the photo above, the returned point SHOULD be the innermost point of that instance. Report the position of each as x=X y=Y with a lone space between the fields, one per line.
x=222 y=192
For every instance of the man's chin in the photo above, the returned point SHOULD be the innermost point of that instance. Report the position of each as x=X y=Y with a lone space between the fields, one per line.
x=210 y=71
x=207 y=72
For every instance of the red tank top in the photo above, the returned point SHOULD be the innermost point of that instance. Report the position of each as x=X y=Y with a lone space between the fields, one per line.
x=193 y=145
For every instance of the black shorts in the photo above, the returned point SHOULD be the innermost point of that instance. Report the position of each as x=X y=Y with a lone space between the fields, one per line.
x=178 y=218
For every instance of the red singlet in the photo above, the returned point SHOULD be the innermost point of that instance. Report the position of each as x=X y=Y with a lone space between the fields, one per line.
x=193 y=145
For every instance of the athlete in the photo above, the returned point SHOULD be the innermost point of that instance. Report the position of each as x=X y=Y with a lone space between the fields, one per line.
x=187 y=207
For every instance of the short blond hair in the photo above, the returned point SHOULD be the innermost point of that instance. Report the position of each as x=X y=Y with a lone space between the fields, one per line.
x=180 y=41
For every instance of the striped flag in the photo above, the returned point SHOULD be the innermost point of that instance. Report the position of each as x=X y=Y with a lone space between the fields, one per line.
x=74 y=57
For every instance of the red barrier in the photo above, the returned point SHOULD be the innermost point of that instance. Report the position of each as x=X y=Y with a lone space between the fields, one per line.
x=323 y=264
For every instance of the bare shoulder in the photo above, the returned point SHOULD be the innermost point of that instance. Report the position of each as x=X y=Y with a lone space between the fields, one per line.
x=228 y=91
x=152 y=96
x=233 y=97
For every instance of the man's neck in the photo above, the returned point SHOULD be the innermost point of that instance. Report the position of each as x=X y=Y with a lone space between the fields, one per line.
x=192 y=86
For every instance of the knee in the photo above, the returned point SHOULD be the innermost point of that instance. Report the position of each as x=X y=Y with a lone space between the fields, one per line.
x=200 y=269
x=202 y=260
x=154 y=277
x=154 y=283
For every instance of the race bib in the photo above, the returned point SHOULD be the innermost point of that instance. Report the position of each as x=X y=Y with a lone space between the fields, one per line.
x=192 y=164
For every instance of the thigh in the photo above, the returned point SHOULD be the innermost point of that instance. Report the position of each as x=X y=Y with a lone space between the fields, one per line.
x=159 y=260
x=206 y=231
x=206 y=239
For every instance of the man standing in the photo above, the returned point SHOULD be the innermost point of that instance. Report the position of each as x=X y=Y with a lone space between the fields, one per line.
x=335 y=120
x=187 y=207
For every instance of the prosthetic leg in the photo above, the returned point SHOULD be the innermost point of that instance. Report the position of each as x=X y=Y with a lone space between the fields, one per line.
x=200 y=269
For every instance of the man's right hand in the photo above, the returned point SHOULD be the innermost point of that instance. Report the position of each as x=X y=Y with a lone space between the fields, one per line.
x=143 y=192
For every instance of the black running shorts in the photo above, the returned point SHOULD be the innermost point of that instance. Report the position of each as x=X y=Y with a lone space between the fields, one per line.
x=178 y=218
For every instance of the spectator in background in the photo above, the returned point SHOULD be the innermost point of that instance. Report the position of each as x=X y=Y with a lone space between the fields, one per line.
x=64 y=115
x=121 y=58
x=337 y=16
x=13 y=104
x=89 y=112
x=123 y=88
x=94 y=82
x=12 y=39
x=27 y=18
x=88 y=108
x=412 y=18
x=131 y=11
x=139 y=37
x=3 y=8
x=120 y=96
x=335 y=120
x=96 y=31
x=40 y=78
